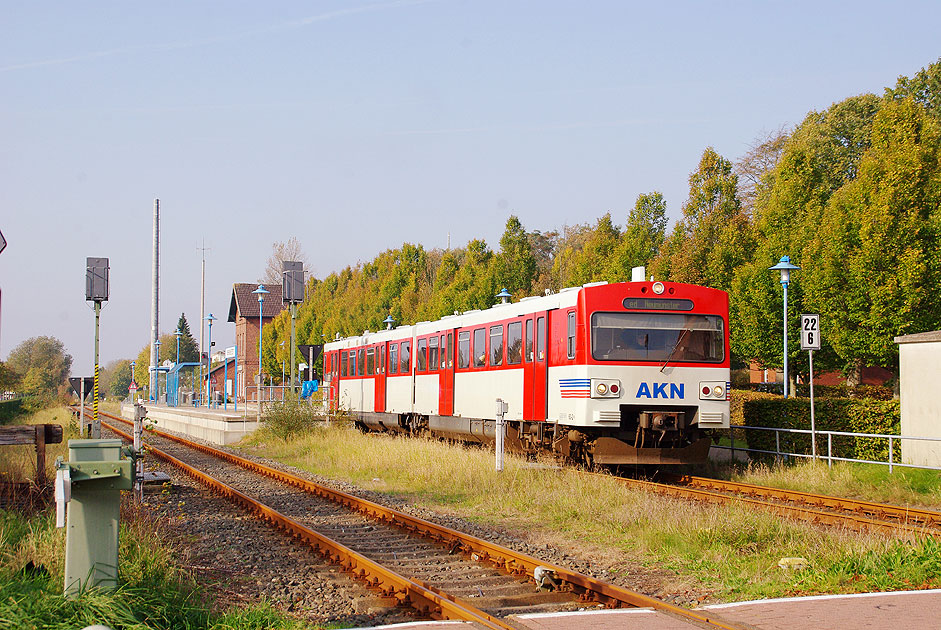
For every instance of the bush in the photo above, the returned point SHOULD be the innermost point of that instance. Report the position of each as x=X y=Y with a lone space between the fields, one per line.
x=831 y=414
x=10 y=410
x=288 y=418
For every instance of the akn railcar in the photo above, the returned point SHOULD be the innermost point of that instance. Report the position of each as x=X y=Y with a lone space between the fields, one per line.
x=627 y=373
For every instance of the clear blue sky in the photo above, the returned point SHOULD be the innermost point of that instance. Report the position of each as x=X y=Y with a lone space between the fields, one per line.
x=356 y=126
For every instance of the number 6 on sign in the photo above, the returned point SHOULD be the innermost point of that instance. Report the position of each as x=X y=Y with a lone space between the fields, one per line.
x=810 y=332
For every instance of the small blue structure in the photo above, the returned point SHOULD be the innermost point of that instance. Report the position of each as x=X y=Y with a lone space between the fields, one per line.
x=173 y=383
x=308 y=388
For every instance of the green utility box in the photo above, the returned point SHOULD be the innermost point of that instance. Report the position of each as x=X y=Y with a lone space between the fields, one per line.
x=91 y=483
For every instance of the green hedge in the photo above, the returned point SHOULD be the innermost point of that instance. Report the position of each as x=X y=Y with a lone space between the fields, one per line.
x=10 y=409
x=856 y=415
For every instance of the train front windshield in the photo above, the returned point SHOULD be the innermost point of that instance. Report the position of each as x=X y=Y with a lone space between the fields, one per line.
x=677 y=337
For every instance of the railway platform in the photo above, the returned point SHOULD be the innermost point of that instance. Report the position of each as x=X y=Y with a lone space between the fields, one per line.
x=911 y=610
x=217 y=426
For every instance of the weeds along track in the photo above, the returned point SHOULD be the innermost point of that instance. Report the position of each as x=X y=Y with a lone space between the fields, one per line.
x=824 y=510
x=439 y=572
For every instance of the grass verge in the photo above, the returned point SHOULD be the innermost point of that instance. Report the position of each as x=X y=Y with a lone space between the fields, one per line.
x=729 y=550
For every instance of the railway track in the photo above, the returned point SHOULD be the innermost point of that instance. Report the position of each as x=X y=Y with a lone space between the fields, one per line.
x=438 y=572
x=819 y=509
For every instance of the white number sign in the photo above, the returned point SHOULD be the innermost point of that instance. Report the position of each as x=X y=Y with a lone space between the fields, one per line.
x=810 y=332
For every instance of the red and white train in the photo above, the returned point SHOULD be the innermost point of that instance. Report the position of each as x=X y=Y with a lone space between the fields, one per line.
x=628 y=373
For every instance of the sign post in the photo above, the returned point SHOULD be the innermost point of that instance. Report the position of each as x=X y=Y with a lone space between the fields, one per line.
x=810 y=341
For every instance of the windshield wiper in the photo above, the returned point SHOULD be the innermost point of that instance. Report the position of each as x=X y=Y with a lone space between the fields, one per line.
x=679 y=340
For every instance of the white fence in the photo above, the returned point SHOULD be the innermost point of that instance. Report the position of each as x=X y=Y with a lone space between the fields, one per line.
x=830 y=457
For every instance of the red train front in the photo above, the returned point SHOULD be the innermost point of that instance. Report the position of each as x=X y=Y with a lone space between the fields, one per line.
x=607 y=373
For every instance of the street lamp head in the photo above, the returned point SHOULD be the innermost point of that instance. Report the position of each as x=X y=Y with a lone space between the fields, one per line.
x=261 y=292
x=785 y=267
x=178 y=333
x=388 y=321
x=210 y=318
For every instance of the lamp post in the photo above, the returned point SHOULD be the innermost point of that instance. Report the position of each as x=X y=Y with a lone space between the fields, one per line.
x=209 y=318
x=261 y=292
x=177 y=333
x=157 y=344
x=282 y=370
x=133 y=363
x=785 y=267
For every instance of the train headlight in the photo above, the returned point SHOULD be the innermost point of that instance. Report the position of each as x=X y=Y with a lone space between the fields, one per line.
x=602 y=389
x=658 y=287
x=605 y=388
x=717 y=391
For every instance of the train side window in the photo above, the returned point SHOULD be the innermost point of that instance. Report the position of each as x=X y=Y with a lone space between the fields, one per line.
x=496 y=345
x=343 y=364
x=352 y=363
x=360 y=361
x=381 y=350
x=514 y=343
x=480 y=347
x=463 y=350
x=529 y=341
x=450 y=352
x=370 y=362
x=421 y=355
x=394 y=358
x=433 y=353
x=405 y=360
x=541 y=338
x=571 y=335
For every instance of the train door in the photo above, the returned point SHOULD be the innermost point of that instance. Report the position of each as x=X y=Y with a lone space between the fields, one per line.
x=381 y=353
x=446 y=376
x=534 y=366
x=540 y=373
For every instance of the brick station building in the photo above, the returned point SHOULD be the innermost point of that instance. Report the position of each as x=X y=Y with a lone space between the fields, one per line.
x=243 y=311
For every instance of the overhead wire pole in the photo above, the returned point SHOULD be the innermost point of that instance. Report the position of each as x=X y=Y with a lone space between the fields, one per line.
x=202 y=311
x=154 y=303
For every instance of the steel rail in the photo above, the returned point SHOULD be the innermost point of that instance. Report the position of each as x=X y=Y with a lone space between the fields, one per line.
x=588 y=588
x=907 y=515
x=812 y=515
x=422 y=597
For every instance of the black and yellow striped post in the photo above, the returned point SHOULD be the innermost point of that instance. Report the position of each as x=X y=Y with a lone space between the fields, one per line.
x=96 y=423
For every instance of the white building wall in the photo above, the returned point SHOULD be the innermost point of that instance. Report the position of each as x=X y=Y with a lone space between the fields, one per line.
x=919 y=378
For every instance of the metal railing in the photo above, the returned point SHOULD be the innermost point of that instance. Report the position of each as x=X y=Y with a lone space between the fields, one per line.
x=891 y=462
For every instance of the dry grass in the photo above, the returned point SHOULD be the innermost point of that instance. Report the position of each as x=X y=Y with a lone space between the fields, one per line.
x=904 y=486
x=732 y=549
x=18 y=463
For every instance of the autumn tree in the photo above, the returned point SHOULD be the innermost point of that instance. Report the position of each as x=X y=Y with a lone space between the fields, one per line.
x=876 y=271
x=714 y=235
x=280 y=252
x=43 y=366
x=515 y=265
x=642 y=238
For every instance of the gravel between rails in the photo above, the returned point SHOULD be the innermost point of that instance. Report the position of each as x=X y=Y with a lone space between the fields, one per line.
x=244 y=560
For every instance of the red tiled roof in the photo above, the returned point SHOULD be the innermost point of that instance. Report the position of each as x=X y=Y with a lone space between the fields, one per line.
x=245 y=303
